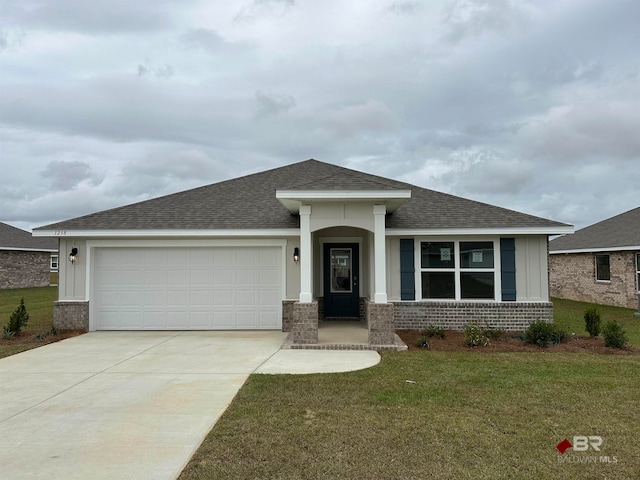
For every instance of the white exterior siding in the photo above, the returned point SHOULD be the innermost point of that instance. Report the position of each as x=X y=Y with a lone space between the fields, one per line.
x=532 y=279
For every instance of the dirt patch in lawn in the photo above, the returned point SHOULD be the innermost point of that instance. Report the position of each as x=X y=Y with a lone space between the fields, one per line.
x=510 y=342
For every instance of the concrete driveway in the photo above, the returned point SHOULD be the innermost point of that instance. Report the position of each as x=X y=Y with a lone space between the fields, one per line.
x=133 y=405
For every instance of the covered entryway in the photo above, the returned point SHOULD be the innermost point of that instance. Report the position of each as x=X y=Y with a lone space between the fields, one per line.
x=341 y=280
x=187 y=288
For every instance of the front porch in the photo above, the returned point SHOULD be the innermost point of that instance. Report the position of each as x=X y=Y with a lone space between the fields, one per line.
x=343 y=335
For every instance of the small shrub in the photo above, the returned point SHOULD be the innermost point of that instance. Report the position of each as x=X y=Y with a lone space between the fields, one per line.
x=614 y=335
x=592 y=321
x=492 y=333
x=423 y=342
x=18 y=319
x=474 y=335
x=544 y=334
x=53 y=332
x=432 y=331
x=7 y=334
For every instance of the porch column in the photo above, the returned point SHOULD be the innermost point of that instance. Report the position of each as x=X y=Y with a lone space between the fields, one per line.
x=306 y=255
x=380 y=260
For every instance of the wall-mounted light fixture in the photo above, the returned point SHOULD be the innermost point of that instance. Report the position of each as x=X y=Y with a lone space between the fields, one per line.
x=296 y=255
x=73 y=256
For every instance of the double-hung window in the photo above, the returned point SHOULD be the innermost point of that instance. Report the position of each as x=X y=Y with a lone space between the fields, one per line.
x=458 y=270
x=54 y=263
x=638 y=271
x=603 y=270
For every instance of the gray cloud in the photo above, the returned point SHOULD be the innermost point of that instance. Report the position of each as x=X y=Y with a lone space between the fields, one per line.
x=270 y=104
x=97 y=16
x=527 y=105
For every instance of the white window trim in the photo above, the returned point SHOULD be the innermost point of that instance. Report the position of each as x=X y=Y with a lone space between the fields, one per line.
x=595 y=264
x=497 y=279
x=638 y=271
x=57 y=262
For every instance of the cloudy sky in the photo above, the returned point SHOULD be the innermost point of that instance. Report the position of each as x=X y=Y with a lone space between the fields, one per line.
x=530 y=105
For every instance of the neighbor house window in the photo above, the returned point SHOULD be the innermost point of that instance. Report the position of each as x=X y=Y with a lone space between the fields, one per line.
x=54 y=262
x=458 y=270
x=603 y=270
x=638 y=270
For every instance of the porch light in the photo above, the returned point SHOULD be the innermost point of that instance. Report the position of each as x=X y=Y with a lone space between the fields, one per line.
x=73 y=256
x=296 y=255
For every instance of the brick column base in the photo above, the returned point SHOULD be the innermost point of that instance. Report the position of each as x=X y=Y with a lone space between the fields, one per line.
x=71 y=316
x=380 y=321
x=305 y=323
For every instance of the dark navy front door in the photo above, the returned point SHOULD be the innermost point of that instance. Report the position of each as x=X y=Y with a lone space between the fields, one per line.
x=341 y=282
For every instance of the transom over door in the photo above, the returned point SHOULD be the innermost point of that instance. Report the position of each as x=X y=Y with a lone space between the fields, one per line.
x=341 y=280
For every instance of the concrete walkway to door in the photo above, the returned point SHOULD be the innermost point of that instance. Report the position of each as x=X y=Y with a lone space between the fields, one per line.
x=133 y=405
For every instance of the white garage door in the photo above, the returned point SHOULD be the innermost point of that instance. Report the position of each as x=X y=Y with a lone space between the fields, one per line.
x=220 y=288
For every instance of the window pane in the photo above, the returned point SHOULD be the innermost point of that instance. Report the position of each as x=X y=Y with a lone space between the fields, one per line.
x=340 y=270
x=476 y=254
x=477 y=285
x=638 y=262
x=438 y=285
x=602 y=267
x=438 y=255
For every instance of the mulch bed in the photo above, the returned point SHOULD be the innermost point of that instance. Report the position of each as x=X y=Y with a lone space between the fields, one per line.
x=509 y=342
x=31 y=337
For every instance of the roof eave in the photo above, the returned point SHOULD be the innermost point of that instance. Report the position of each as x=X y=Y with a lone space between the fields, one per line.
x=542 y=230
x=292 y=199
x=628 y=248
x=276 y=232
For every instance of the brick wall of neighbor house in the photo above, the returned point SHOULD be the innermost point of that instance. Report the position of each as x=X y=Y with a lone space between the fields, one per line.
x=24 y=269
x=509 y=316
x=71 y=315
x=573 y=276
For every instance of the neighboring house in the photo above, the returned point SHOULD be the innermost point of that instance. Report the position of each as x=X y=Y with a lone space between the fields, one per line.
x=26 y=261
x=289 y=247
x=599 y=263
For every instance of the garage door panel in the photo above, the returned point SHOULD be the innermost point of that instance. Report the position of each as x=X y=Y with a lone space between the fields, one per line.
x=223 y=298
x=268 y=319
x=178 y=320
x=199 y=320
x=188 y=288
x=154 y=319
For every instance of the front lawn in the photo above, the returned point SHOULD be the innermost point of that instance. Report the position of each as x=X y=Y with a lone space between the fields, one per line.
x=39 y=304
x=462 y=415
x=438 y=414
x=570 y=314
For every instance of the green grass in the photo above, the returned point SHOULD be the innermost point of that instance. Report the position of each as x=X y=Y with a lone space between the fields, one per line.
x=570 y=315
x=469 y=415
x=39 y=304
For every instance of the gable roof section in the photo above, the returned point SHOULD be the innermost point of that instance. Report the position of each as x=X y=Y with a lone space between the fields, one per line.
x=250 y=202
x=12 y=238
x=621 y=232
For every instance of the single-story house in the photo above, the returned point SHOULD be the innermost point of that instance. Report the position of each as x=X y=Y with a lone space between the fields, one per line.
x=599 y=263
x=289 y=247
x=26 y=261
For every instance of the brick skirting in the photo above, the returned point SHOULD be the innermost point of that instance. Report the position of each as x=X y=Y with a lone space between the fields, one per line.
x=511 y=316
x=71 y=315
x=304 y=328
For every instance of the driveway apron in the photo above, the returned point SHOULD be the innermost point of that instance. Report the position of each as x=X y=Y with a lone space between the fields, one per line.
x=128 y=405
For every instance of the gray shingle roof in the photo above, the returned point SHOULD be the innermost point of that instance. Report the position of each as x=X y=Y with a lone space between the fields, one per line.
x=250 y=203
x=15 y=239
x=620 y=231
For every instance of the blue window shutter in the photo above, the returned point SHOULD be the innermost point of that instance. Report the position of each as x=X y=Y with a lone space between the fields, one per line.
x=508 y=269
x=407 y=270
